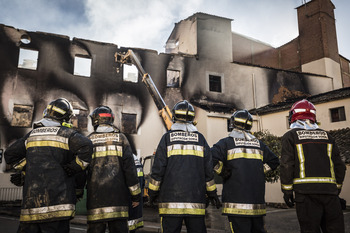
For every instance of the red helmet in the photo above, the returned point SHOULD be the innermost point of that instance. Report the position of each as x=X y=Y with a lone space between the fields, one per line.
x=302 y=110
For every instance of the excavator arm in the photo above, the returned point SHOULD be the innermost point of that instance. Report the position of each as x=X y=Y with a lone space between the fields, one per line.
x=164 y=112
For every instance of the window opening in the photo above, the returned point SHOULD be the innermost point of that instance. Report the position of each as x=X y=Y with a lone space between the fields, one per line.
x=82 y=66
x=337 y=114
x=129 y=123
x=130 y=73
x=28 y=59
x=215 y=83
x=173 y=78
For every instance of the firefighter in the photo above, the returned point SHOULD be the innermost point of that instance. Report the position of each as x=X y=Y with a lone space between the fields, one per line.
x=241 y=160
x=311 y=168
x=112 y=176
x=135 y=214
x=49 y=156
x=182 y=174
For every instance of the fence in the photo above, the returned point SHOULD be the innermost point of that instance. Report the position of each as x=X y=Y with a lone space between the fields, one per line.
x=11 y=194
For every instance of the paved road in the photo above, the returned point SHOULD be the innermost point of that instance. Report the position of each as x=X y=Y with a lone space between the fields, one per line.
x=277 y=221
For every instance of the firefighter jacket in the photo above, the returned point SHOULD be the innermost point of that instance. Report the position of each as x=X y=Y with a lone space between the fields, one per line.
x=112 y=176
x=182 y=173
x=310 y=162
x=48 y=192
x=243 y=160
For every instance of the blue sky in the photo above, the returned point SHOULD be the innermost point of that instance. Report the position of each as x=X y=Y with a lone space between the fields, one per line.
x=148 y=24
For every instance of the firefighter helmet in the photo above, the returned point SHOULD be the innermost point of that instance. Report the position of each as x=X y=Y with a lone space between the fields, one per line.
x=241 y=119
x=102 y=115
x=183 y=111
x=302 y=110
x=59 y=109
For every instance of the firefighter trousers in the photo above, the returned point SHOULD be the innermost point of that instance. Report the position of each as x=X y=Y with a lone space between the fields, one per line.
x=44 y=227
x=247 y=224
x=172 y=224
x=114 y=226
x=316 y=211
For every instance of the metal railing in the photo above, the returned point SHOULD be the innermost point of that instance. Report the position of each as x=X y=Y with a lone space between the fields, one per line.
x=11 y=194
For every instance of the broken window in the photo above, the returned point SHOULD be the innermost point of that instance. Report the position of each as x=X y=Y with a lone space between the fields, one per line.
x=173 y=78
x=215 y=83
x=28 y=59
x=337 y=114
x=130 y=73
x=129 y=123
x=80 y=119
x=22 y=115
x=82 y=66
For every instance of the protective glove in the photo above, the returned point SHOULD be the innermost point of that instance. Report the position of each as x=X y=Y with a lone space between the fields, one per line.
x=214 y=200
x=288 y=199
x=72 y=168
x=136 y=198
x=225 y=173
x=17 y=179
x=152 y=198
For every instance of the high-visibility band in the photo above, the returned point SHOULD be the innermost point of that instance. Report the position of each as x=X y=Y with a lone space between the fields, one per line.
x=56 y=109
x=140 y=173
x=154 y=185
x=48 y=138
x=81 y=163
x=47 y=144
x=20 y=165
x=48 y=212
x=246 y=153
x=135 y=223
x=241 y=120
x=314 y=180
x=182 y=208
x=301 y=160
x=107 y=153
x=287 y=186
x=210 y=185
x=135 y=190
x=178 y=149
x=183 y=112
x=218 y=167
x=244 y=209
x=329 y=152
x=339 y=186
x=107 y=213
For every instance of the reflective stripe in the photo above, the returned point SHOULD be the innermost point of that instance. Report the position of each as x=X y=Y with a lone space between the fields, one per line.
x=329 y=151
x=287 y=186
x=134 y=190
x=178 y=149
x=218 y=167
x=182 y=208
x=108 y=212
x=315 y=180
x=47 y=143
x=210 y=185
x=243 y=121
x=246 y=153
x=339 y=186
x=301 y=160
x=154 y=185
x=135 y=223
x=244 y=209
x=57 y=109
x=111 y=150
x=182 y=112
x=47 y=212
x=20 y=165
x=81 y=163
x=140 y=174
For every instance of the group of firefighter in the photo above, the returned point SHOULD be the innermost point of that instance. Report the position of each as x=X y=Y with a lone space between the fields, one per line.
x=55 y=163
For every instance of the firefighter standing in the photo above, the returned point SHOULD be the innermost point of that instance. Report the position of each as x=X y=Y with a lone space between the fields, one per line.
x=49 y=156
x=182 y=174
x=112 y=176
x=311 y=167
x=135 y=214
x=241 y=159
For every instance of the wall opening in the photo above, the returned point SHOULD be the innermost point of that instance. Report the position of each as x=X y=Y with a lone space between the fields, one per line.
x=337 y=114
x=22 y=115
x=130 y=73
x=129 y=123
x=82 y=66
x=215 y=83
x=173 y=78
x=28 y=59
